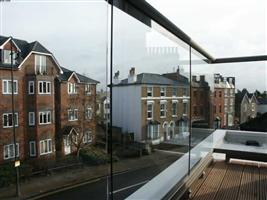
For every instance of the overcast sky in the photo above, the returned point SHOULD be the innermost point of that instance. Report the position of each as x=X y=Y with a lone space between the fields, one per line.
x=76 y=33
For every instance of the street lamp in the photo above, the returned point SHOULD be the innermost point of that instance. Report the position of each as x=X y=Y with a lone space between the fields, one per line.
x=16 y=160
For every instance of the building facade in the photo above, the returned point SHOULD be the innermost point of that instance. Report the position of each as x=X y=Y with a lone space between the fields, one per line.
x=42 y=100
x=201 y=102
x=151 y=106
x=224 y=100
x=246 y=106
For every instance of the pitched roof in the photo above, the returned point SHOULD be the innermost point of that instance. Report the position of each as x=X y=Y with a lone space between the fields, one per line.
x=67 y=73
x=66 y=130
x=177 y=77
x=149 y=78
x=3 y=39
x=35 y=46
x=25 y=48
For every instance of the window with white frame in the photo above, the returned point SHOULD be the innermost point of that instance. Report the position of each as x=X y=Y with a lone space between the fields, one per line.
x=72 y=88
x=9 y=151
x=106 y=105
x=7 y=57
x=31 y=118
x=73 y=114
x=153 y=131
x=231 y=101
x=44 y=87
x=88 y=113
x=149 y=110
x=174 y=91
x=45 y=146
x=87 y=138
x=7 y=86
x=232 y=92
x=149 y=91
x=45 y=117
x=107 y=116
x=32 y=145
x=226 y=92
x=8 y=120
x=185 y=91
x=40 y=64
x=174 y=108
x=163 y=109
x=31 y=87
x=88 y=89
x=162 y=91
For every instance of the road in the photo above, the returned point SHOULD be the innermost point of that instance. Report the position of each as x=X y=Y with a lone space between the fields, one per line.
x=125 y=183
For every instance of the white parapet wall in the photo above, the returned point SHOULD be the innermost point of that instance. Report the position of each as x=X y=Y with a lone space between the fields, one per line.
x=160 y=185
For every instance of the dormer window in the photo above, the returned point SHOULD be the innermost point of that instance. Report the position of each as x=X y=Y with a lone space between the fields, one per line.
x=7 y=57
x=40 y=64
x=72 y=88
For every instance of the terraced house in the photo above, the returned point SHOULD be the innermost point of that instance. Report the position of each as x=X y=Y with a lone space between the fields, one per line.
x=54 y=107
x=161 y=106
x=224 y=100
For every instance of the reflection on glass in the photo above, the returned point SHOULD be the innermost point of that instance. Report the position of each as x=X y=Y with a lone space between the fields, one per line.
x=150 y=103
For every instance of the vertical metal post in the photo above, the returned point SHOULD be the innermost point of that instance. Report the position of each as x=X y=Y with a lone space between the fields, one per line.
x=190 y=111
x=111 y=88
x=107 y=96
x=13 y=121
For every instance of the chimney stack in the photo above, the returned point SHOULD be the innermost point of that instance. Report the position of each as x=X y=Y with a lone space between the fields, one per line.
x=178 y=70
x=202 y=78
x=132 y=76
x=116 y=79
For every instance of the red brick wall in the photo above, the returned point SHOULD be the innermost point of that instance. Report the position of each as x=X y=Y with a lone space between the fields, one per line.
x=25 y=103
x=57 y=102
x=76 y=101
x=217 y=102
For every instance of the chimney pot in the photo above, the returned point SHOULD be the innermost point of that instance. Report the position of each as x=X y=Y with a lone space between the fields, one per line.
x=202 y=78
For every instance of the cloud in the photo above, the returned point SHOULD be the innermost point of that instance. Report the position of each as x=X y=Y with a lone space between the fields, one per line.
x=76 y=32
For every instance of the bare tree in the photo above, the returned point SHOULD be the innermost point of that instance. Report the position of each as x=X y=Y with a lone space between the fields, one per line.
x=82 y=110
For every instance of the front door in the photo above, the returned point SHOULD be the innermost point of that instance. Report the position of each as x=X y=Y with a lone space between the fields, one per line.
x=67 y=146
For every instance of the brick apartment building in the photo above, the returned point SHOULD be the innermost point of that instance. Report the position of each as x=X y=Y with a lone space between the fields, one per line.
x=151 y=106
x=201 y=102
x=224 y=100
x=51 y=103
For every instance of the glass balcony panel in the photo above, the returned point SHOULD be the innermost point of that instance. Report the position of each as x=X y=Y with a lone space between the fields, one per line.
x=214 y=31
x=150 y=120
x=202 y=111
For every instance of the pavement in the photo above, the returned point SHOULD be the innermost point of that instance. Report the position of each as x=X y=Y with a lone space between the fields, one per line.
x=42 y=186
